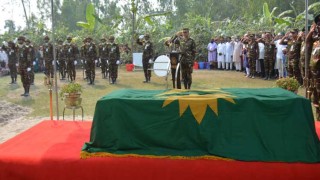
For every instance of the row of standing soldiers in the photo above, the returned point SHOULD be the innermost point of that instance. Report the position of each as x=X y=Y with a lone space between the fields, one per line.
x=301 y=50
x=21 y=58
x=107 y=53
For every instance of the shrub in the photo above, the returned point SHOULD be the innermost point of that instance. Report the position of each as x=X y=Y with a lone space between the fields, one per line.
x=289 y=83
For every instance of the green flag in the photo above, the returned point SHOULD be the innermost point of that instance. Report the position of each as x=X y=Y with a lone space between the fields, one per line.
x=244 y=124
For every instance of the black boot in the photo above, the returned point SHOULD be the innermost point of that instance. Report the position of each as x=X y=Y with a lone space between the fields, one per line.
x=27 y=92
x=189 y=85
x=149 y=79
x=185 y=84
x=12 y=81
x=145 y=81
x=15 y=79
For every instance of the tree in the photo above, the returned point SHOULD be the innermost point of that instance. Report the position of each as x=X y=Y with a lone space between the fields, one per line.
x=10 y=25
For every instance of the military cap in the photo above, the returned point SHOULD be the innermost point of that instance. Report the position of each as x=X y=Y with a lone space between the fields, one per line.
x=294 y=30
x=69 y=38
x=185 y=29
x=88 y=38
x=28 y=40
x=304 y=28
x=46 y=37
x=147 y=35
x=103 y=38
x=111 y=38
x=21 y=38
x=317 y=18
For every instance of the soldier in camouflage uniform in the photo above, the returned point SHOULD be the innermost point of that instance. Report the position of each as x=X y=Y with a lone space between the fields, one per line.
x=252 y=54
x=48 y=57
x=313 y=45
x=103 y=56
x=12 y=61
x=71 y=53
x=90 y=53
x=31 y=57
x=306 y=79
x=114 y=56
x=294 y=45
x=147 y=55
x=24 y=65
x=269 y=54
x=61 y=59
x=188 y=51
x=83 y=61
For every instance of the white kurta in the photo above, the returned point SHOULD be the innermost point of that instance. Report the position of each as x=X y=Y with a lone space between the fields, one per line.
x=229 y=52
x=279 y=54
x=221 y=50
x=237 y=51
x=212 y=52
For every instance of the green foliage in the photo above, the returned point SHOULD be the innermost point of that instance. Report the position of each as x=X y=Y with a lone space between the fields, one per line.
x=70 y=88
x=289 y=83
x=90 y=17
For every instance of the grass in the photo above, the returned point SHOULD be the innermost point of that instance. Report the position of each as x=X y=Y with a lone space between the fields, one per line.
x=39 y=99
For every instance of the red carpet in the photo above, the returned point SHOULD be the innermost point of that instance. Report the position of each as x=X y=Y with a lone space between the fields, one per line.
x=51 y=150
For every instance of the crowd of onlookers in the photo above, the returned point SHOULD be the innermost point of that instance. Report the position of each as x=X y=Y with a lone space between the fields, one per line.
x=231 y=53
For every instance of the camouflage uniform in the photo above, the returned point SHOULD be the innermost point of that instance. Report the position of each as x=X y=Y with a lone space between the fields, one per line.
x=12 y=61
x=61 y=59
x=31 y=57
x=48 y=57
x=252 y=50
x=303 y=65
x=84 y=63
x=103 y=56
x=90 y=53
x=24 y=65
x=269 y=55
x=114 y=56
x=147 y=55
x=293 y=59
x=70 y=53
x=188 y=50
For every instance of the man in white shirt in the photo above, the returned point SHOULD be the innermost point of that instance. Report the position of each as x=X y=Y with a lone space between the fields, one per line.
x=229 y=53
x=221 y=49
x=3 y=59
x=212 y=53
x=237 y=52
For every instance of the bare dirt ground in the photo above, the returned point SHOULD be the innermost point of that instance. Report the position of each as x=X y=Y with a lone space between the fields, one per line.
x=14 y=120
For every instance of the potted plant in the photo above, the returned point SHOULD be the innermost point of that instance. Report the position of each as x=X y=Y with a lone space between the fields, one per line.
x=71 y=93
x=288 y=83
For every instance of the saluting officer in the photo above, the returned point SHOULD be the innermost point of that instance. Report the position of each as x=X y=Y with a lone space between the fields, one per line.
x=146 y=56
x=188 y=51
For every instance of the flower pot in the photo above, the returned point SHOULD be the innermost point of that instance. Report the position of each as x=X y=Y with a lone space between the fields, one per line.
x=195 y=65
x=129 y=67
x=72 y=99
